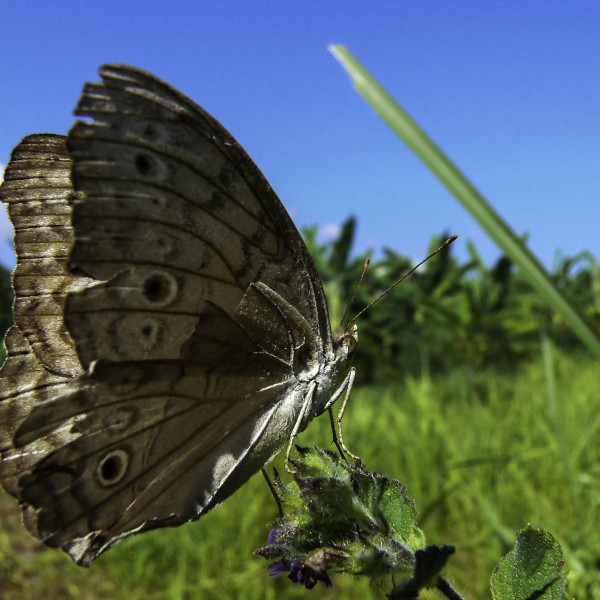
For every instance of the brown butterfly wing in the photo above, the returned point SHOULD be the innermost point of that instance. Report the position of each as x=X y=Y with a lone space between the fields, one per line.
x=203 y=314
x=175 y=215
x=41 y=358
x=41 y=354
x=37 y=189
x=151 y=449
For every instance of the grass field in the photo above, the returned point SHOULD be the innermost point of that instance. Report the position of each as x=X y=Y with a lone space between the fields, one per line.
x=482 y=454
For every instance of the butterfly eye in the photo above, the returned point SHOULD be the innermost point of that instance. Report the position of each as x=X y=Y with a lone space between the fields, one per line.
x=112 y=467
x=351 y=341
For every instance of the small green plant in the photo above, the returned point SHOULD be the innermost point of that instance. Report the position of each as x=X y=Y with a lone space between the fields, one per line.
x=344 y=518
x=340 y=517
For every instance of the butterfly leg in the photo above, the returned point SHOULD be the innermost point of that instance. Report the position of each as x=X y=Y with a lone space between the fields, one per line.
x=273 y=490
x=347 y=387
x=299 y=421
x=334 y=435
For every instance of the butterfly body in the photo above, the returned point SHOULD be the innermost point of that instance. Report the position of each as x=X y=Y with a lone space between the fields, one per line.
x=171 y=331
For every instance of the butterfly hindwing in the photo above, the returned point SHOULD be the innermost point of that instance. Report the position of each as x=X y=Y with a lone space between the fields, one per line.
x=38 y=191
x=126 y=425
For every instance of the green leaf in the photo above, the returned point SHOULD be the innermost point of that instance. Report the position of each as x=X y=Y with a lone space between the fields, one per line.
x=340 y=252
x=532 y=569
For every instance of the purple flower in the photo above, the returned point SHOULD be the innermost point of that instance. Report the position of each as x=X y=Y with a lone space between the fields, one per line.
x=273 y=535
x=301 y=573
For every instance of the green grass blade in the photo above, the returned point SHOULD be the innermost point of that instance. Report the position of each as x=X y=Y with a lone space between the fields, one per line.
x=445 y=170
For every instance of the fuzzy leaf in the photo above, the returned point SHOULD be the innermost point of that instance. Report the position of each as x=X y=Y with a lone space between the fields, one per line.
x=532 y=569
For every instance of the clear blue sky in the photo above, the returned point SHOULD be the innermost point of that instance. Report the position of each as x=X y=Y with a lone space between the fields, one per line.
x=510 y=90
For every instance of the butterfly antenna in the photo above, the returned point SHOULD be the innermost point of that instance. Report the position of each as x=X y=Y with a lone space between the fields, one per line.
x=442 y=247
x=362 y=274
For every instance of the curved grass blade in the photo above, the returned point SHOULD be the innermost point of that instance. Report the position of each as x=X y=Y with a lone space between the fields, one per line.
x=464 y=191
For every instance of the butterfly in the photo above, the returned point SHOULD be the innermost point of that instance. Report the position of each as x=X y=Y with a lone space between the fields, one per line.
x=171 y=331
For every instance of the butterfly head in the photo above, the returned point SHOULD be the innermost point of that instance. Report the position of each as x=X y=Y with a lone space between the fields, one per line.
x=344 y=347
x=344 y=343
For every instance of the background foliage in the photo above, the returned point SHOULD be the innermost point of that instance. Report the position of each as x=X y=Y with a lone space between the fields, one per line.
x=488 y=424
x=449 y=315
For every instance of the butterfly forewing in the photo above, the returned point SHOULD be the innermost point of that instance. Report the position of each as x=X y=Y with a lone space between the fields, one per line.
x=192 y=304
x=176 y=210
